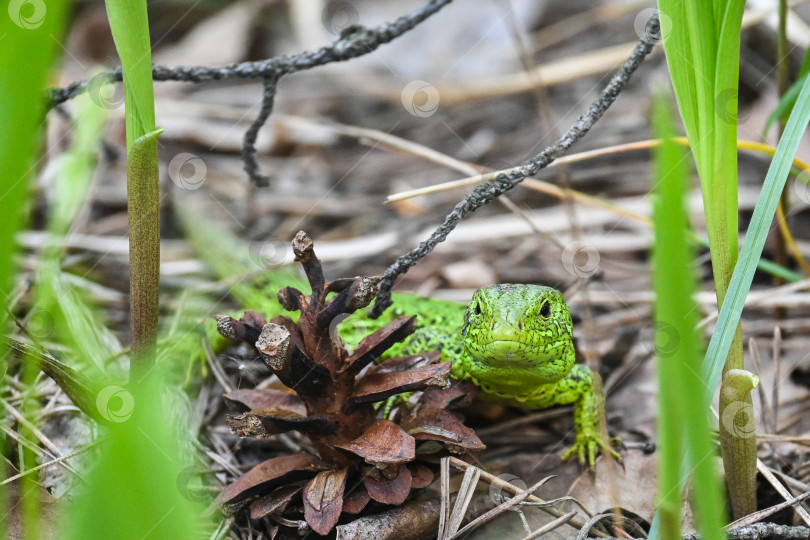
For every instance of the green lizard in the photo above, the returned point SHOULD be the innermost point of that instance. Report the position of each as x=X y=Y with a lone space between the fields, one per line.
x=513 y=341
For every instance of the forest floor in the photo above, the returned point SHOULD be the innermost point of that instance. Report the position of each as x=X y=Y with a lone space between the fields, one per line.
x=484 y=83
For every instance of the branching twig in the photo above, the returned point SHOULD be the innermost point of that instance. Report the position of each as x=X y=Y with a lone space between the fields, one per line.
x=354 y=41
x=489 y=191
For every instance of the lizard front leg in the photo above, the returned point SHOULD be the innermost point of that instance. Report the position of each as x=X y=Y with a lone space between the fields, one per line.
x=580 y=388
x=577 y=388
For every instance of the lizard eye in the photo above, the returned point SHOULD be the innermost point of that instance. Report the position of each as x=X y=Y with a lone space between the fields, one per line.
x=545 y=310
x=477 y=309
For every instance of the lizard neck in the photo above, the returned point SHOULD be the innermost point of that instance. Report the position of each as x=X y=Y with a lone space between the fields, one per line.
x=515 y=384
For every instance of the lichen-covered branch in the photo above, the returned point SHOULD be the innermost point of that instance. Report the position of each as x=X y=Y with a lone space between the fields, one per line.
x=489 y=191
x=353 y=42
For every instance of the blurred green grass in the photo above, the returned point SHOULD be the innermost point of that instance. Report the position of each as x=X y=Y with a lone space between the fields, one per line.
x=682 y=423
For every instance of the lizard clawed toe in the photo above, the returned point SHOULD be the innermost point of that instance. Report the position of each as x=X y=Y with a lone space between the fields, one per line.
x=591 y=445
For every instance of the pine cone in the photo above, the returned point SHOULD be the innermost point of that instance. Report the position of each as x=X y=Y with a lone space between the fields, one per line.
x=333 y=405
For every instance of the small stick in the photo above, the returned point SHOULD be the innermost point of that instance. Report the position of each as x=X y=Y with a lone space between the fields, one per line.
x=776 y=352
x=509 y=488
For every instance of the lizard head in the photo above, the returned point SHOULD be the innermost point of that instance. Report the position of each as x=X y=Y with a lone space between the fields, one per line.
x=520 y=331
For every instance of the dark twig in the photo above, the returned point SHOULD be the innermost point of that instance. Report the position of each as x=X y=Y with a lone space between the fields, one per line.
x=249 y=144
x=757 y=531
x=487 y=192
x=354 y=41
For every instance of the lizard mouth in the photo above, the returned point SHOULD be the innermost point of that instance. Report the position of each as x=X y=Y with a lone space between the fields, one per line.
x=514 y=353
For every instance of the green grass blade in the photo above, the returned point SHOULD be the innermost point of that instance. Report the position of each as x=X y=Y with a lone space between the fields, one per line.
x=76 y=324
x=76 y=166
x=703 y=49
x=700 y=35
x=758 y=228
x=785 y=104
x=701 y=40
x=679 y=53
x=21 y=107
x=143 y=202
x=135 y=490
x=139 y=486
x=725 y=121
x=779 y=271
x=29 y=39
x=669 y=177
x=678 y=344
x=130 y=28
